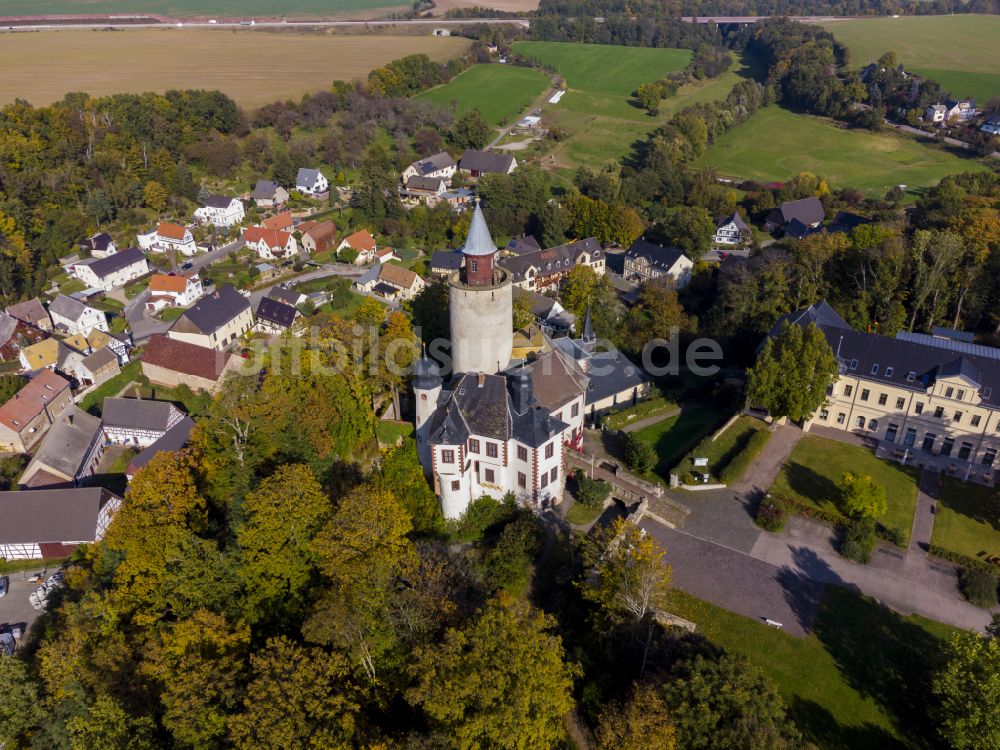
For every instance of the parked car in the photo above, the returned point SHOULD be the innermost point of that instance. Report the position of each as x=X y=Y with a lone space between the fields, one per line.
x=4 y=585
x=187 y=266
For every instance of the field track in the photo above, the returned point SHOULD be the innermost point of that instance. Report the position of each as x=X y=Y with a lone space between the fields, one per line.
x=254 y=68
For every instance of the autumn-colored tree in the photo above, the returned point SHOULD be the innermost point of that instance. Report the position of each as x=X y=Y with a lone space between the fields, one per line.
x=627 y=578
x=107 y=726
x=400 y=474
x=370 y=312
x=522 y=317
x=362 y=552
x=198 y=662
x=282 y=516
x=154 y=195
x=640 y=722
x=967 y=690
x=501 y=681
x=298 y=699
x=21 y=708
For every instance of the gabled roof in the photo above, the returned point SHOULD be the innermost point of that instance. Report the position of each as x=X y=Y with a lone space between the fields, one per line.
x=393 y=274
x=213 y=311
x=734 y=219
x=362 y=241
x=77 y=342
x=264 y=190
x=117 y=261
x=273 y=238
x=185 y=358
x=433 y=184
x=219 y=201
x=552 y=259
x=478 y=242
x=99 y=359
x=611 y=372
x=307 y=177
x=486 y=161
x=171 y=231
x=961 y=367
x=434 y=163
x=661 y=257
x=138 y=413
x=161 y=282
x=56 y=515
x=321 y=230
x=31 y=400
x=806 y=210
x=67 y=443
x=282 y=221
x=171 y=441
x=288 y=296
x=99 y=241
x=521 y=245
x=44 y=353
x=68 y=307
x=448 y=259
x=278 y=313
x=30 y=311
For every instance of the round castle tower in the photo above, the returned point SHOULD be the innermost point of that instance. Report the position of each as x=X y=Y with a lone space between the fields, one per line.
x=481 y=305
x=427 y=383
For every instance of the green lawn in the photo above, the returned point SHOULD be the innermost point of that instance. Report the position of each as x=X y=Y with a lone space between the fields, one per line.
x=581 y=514
x=94 y=400
x=598 y=113
x=857 y=682
x=959 y=51
x=649 y=408
x=389 y=432
x=674 y=437
x=170 y=314
x=816 y=465
x=776 y=144
x=500 y=92
x=183 y=8
x=72 y=286
x=968 y=519
x=724 y=450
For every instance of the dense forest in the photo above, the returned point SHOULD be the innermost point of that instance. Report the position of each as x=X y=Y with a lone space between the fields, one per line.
x=677 y=8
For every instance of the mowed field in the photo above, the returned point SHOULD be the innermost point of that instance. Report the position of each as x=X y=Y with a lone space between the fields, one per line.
x=959 y=52
x=252 y=67
x=776 y=144
x=500 y=92
x=200 y=8
x=598 y=112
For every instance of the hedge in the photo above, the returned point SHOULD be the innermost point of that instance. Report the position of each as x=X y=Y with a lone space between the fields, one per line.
x=833 y=518
x=741 y=461
x=966 y=562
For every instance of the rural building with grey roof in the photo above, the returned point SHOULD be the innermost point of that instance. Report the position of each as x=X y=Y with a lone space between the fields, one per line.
x=215 y=321
x=53 y=523
x=69 y=453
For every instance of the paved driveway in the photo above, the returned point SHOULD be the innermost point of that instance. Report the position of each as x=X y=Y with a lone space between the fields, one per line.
x=15 y=608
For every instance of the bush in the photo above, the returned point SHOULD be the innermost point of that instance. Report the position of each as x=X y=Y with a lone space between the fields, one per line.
x=483 y=514
x=979 y=587
x=893 y=535
x=966 y=562
x=770 y=514
x=858 y=542
x=639 y=455
x=508 y=564
x=590 y=492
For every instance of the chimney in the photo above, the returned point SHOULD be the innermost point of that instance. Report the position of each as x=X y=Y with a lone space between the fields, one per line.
x=522 y=391
x=480 y=379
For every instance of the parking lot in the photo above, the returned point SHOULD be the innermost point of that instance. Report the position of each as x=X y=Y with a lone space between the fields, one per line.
x=15 y=607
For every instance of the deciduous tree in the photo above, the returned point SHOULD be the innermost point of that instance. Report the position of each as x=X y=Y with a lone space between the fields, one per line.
x=967 y=689
x=861 y=497
x=792 y=373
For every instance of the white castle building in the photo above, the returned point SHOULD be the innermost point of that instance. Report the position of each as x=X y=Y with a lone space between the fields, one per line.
x=497 y=427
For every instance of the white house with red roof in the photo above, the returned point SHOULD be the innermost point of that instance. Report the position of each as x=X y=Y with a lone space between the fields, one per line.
x=167 y=236
x=173 y=290
x=270 y=244
x=363 y=243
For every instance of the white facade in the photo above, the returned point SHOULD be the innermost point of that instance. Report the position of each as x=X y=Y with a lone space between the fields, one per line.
x=273 y=245
x=88 y=320
x=482 y=335
x=729 y=234
x=221 y=216
x=311 y=182
x=91 y=272
x=161 y=240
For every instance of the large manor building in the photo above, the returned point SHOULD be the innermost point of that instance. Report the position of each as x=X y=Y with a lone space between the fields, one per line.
x=497 y=425
x=934 y=397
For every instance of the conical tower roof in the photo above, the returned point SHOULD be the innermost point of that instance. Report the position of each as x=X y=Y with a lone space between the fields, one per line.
x=588 y=328
x=479 y=241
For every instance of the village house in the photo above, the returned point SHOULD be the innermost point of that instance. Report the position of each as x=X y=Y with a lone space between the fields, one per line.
x=797 y=218
x=97 y=367
x=26 y=416
x=270 y=244
x=281 y=222
x=522 y=245
x=173 y=290
x=274 y=317
x=362 y=243
x=267 y=194
x=44 y=354
x=926 y=399
x=478 y=163
x=69 y=453
x=732 y=231
x=645 y=261
x=441 y=165
x=319 y=237
x=138 y=421
x=52 y=523
x=287 y=296
x=992 y=125
x=167 y=237
x=31 y=312
x=384 y=254
x=543 y=270
x=112 y=271
x=119 y=343
x=548 y=312
x=16 y=335
x=423 y=190
x=99 y=245
x=174 y=440
x=311 y=182
x=961 y=111
x=71 y=316
x=445 y=262
x=215 y=321
x=221 y=211
x=390 y=281
x=168 y=362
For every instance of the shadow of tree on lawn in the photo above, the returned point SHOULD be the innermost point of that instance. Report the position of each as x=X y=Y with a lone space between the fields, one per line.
x=819 y=726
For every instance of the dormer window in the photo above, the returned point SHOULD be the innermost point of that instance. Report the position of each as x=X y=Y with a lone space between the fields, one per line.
x=874 y=369
x=854 y=364
x=987 y=392
x=911 y=376
x=888 y=372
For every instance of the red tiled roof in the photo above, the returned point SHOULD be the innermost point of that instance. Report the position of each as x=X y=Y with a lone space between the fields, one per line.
x=271 y=237
x=161 y=282
x=282 y=221
x=29 y=402
x=171 y=231
x=185 y=358
x=361 y=241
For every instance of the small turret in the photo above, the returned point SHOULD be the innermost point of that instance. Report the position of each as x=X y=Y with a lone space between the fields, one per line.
x=479 y=251
x=522 y=391
x=588 y=339
x=427 y=384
